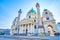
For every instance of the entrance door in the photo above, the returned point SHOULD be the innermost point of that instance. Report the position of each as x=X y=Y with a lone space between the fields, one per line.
x=51 y=30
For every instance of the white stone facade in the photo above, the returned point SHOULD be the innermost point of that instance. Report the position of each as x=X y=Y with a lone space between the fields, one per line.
x=29 y=25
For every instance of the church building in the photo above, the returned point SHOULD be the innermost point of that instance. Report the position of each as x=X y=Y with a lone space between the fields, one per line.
x=34 y=23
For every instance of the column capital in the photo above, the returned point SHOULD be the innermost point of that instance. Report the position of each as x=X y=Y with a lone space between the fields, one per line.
x=37 y=5
x=19 y=11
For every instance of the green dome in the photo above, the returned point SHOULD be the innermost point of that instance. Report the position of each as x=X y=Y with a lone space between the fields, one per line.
x=32 y=11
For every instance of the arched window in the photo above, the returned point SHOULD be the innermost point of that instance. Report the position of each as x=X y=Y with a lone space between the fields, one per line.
x=35 y=16
x=34 y=20
x=29 y=16
x=47 y=18
x=46 y=13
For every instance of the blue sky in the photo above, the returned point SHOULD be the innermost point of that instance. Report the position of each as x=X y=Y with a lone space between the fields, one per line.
x=9 y=9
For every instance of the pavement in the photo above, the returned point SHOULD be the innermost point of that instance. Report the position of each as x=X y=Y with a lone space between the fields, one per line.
x=32 y=37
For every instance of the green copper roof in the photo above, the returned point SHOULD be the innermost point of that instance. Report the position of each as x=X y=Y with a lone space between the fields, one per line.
x=32 y=11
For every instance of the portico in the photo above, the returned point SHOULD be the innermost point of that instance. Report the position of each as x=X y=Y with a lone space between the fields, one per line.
x=26 y=27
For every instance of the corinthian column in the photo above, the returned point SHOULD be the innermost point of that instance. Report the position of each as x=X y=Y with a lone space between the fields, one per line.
x=39 y=23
